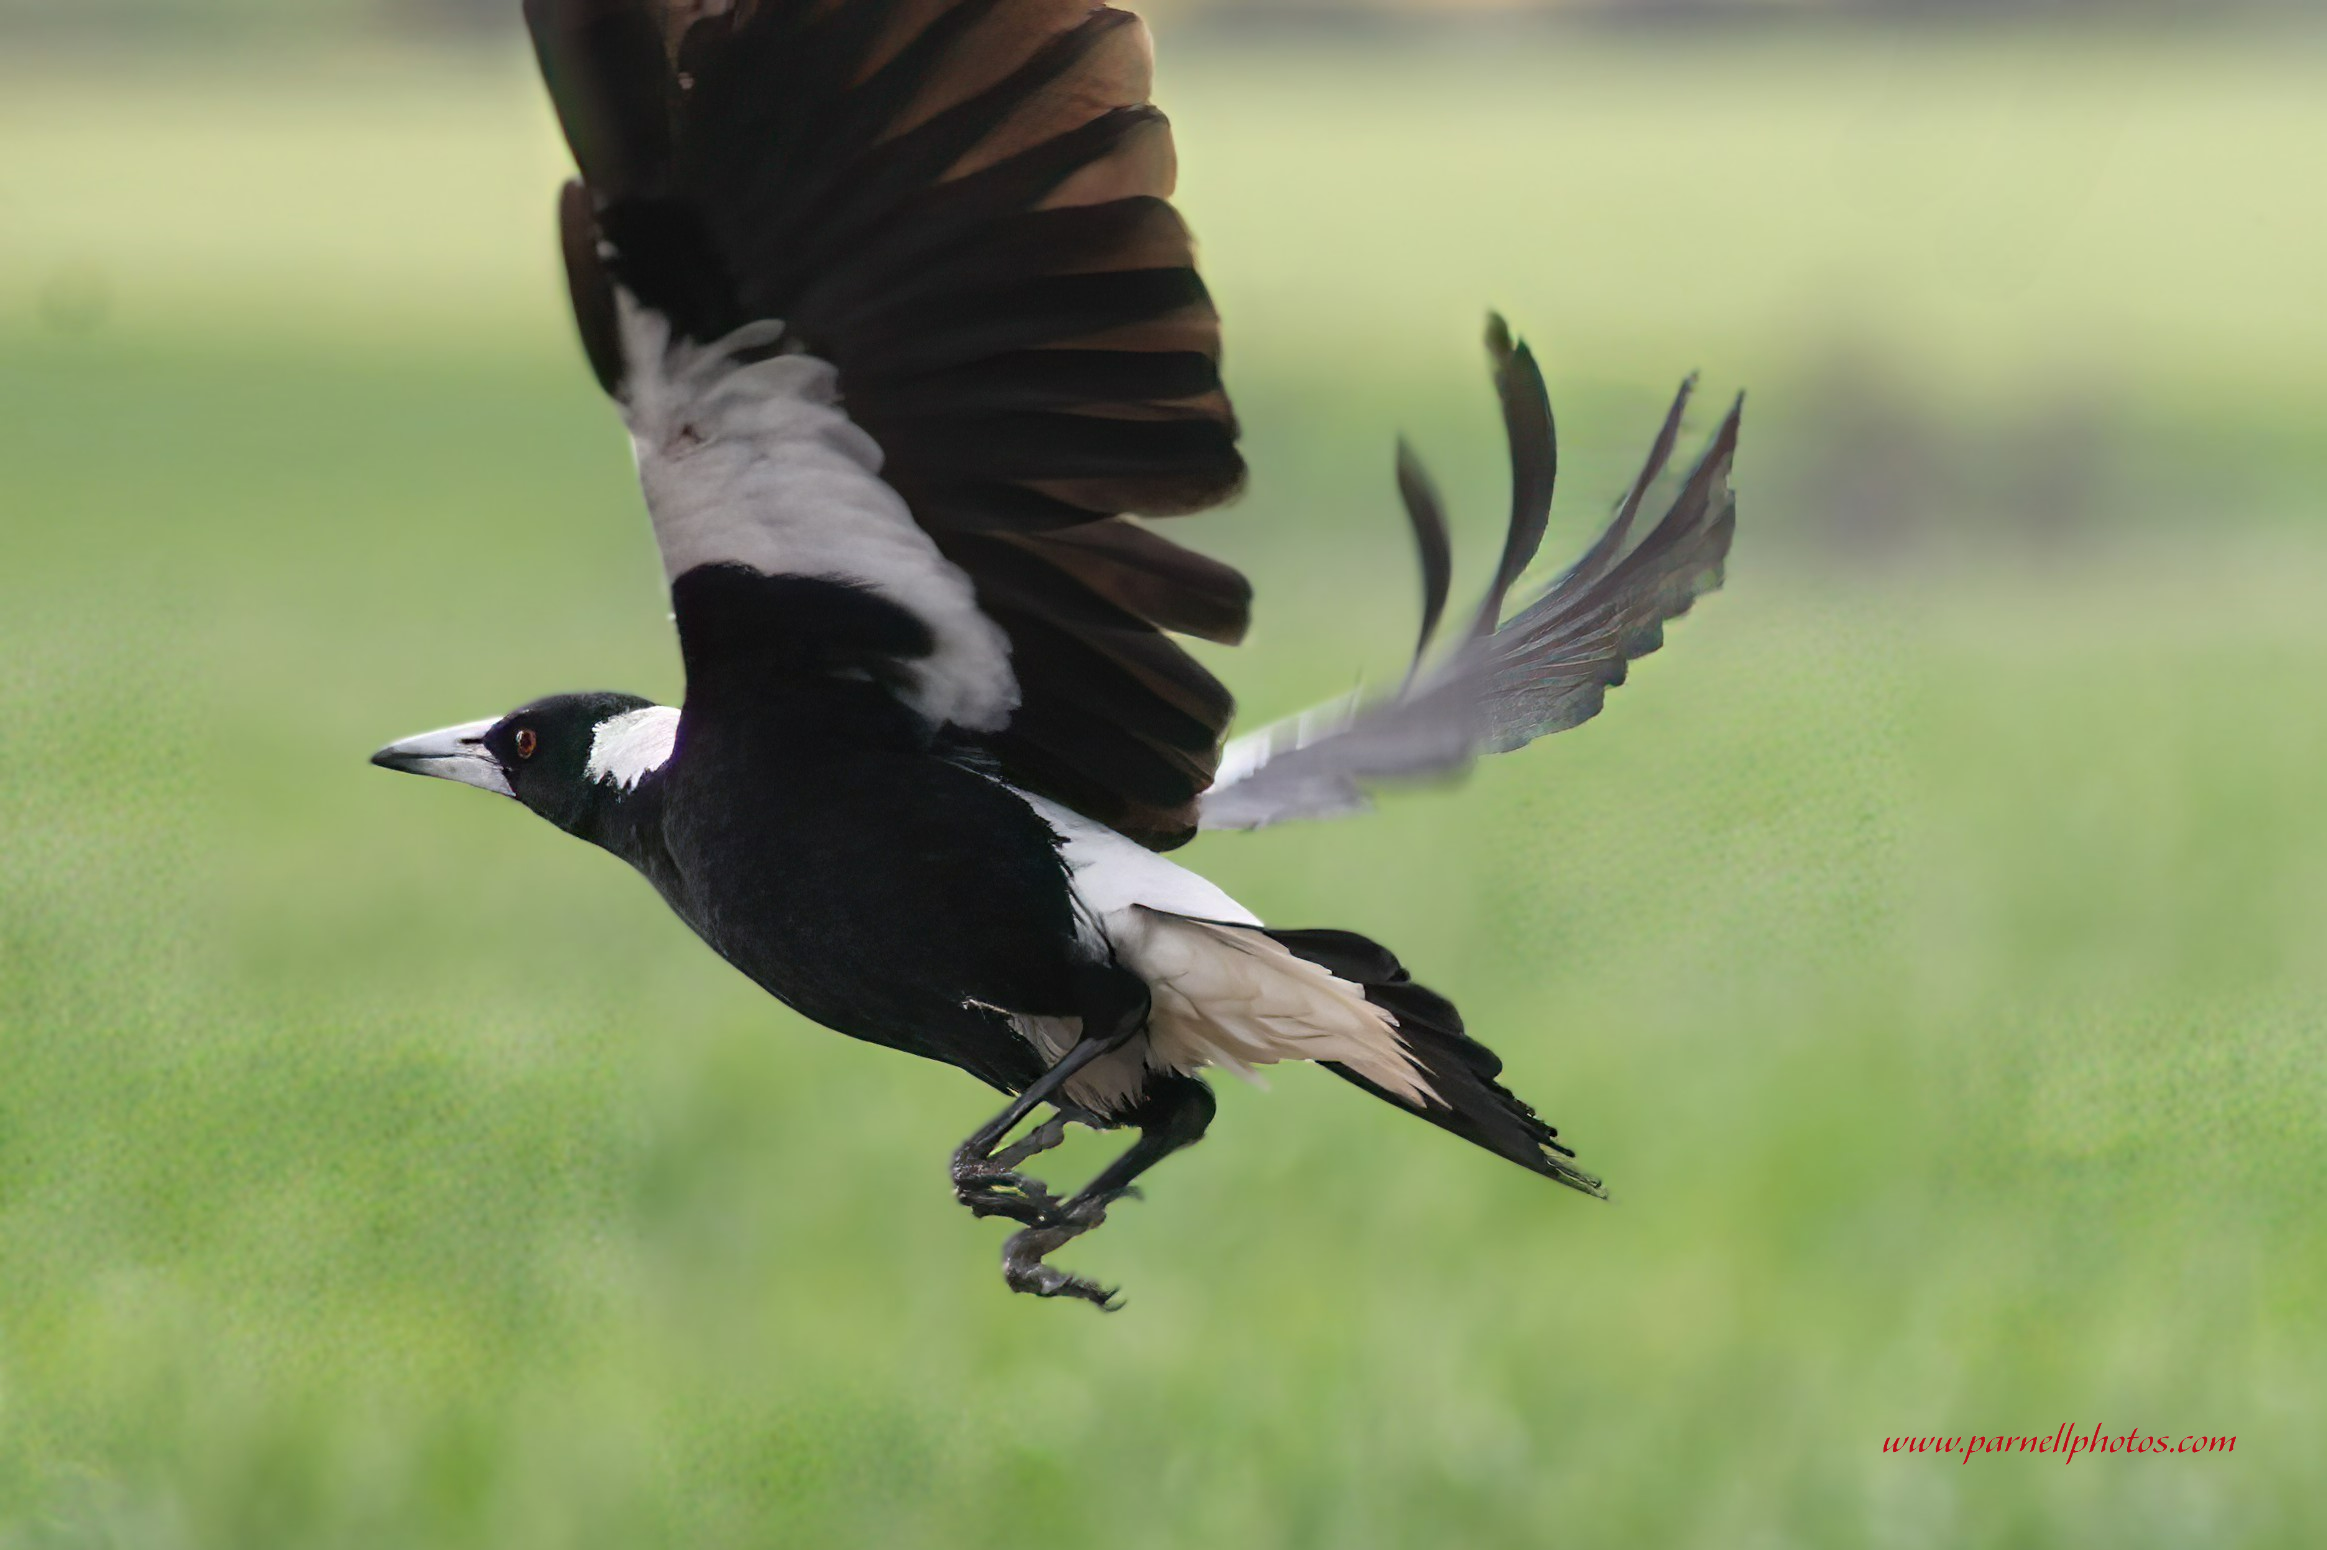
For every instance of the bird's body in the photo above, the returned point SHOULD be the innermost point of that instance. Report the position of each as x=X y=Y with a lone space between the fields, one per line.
x=876 y=888
x=901 y=326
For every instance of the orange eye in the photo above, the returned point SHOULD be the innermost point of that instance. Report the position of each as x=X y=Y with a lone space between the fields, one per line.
x=526 y=743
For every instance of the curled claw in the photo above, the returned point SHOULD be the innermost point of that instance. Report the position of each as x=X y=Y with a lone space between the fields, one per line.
x=1036 y=1279
x=1014 y=1195
x=992 y=1186
x=1023 y=1256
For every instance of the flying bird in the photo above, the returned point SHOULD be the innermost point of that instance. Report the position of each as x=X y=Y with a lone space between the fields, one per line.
x=909 y=341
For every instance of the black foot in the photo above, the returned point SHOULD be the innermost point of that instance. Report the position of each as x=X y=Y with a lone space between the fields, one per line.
x=1013 y=1195
x=993 y=1186
x=1023 y=1256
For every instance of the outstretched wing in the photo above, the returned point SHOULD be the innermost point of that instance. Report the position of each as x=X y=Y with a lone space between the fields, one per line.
x=891 y=297
x=1507 y=682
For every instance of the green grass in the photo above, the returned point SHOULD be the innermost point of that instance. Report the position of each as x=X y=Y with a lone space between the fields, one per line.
x=1927 y=953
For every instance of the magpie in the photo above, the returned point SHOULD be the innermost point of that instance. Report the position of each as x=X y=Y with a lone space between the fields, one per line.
x=909 y=341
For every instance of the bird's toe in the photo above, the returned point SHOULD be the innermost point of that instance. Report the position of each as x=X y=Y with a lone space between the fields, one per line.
x=1018 y=1196
x=1026 y=1273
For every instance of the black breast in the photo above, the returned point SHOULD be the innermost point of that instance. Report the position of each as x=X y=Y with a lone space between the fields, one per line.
x=822 y=846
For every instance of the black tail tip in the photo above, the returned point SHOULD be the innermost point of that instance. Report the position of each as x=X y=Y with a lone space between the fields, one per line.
x=1500 y=344
x=1565 y=1172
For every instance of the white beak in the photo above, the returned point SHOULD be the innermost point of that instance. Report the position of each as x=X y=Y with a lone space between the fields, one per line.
x=455 y=753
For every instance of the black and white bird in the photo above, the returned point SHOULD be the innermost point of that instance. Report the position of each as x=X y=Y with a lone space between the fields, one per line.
x=908 y=340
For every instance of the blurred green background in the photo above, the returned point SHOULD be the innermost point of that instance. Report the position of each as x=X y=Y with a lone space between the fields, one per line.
x=1928 y=945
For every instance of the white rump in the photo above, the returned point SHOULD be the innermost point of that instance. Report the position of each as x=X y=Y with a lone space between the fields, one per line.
x=1225 y=992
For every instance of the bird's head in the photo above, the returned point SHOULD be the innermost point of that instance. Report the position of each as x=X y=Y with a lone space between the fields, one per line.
x=565 y=757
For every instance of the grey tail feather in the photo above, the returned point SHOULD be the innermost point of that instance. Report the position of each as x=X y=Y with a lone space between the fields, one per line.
x=1534 y=440
x=1463 y=1072
x=1433 y=546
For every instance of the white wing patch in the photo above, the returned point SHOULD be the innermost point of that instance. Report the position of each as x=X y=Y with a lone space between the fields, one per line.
x=1112 y=874
x=1225 y=993
x=630 y=747
x=755 y=463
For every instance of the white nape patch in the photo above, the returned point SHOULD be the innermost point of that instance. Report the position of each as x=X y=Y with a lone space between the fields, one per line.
x=630 y=747
x=1225 y=994
x=755 y=463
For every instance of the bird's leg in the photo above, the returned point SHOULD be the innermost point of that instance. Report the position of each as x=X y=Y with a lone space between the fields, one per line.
x=1051 y=1132
x=985 y=1176
x=1174 y=1114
